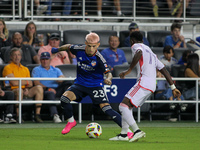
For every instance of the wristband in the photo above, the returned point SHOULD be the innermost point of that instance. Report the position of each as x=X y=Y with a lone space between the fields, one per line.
x=172 y=87
x=178 y=44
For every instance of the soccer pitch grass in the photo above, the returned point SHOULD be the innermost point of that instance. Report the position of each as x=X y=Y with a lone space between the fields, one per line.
x=160 y=135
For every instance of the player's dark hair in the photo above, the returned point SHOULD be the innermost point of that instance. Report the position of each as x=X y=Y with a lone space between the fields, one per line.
x=167 y=48
x=137 y=36
x=175 y=25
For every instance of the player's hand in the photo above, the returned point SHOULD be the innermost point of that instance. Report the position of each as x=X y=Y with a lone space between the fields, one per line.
x=176 y=93
x=107 y=81
x=54 y=50
x=123 y=74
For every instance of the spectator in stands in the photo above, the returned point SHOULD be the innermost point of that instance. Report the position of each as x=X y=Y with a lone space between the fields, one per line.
x=58 y=58
x=40 y=8
x=4 y=35
x=155 y=7
x=175 y=7
x=113 y=55
x=167 y=58
x=52 y=88
x=134 y=27
x=29 y=54
x=8 y=108
x=183 y=59
x=66 y=7
x=117 y=6
x=16 y=69
x=30 y=35
x=176 y=40
x=192 y=71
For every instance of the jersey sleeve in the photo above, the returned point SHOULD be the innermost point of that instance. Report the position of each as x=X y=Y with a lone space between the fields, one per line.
x=75 y=48
x=159 y=65
x=103 y=64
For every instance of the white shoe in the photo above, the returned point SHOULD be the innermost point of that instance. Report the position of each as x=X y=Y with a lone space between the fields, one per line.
x=138 y=136
x=10 y=120
x=1 y=121
x=56 y=119
x=41 y=9
x=119 y=138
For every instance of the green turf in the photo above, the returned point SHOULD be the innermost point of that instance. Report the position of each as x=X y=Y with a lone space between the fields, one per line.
x=47 y=136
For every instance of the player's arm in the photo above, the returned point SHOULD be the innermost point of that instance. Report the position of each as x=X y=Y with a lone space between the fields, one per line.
x=65 y=47
x=175 y=91
x=108 y=79
x=135 y=60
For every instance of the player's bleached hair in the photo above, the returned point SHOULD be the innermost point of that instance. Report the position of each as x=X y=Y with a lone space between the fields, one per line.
x=92 y=38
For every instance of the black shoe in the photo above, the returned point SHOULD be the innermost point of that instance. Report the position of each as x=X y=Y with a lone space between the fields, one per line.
x=38 y=119
x=121 y=20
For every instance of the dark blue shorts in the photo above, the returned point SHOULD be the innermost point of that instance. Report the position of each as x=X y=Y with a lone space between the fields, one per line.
x=97 y=94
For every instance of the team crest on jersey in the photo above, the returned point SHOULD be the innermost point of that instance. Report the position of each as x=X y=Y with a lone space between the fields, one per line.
x=93 y=63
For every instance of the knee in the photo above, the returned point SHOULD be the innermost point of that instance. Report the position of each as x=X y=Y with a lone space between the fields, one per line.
x=39 y=89
x=49 y=95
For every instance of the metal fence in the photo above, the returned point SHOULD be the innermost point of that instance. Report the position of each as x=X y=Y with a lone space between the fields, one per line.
x=20 y=102
x=87 y=10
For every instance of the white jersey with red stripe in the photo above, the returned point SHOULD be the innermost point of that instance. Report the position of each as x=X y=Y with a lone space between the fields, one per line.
x=148 y=64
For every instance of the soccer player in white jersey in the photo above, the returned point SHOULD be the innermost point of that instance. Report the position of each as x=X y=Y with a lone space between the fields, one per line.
x=145 y=86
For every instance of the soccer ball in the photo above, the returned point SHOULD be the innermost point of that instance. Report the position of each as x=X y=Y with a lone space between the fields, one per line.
x=93 y=130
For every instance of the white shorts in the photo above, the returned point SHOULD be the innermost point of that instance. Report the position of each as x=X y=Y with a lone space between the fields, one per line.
x=138 y=95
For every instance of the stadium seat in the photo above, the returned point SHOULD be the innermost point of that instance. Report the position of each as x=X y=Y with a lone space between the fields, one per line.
x=69 y=71
x=11 y=31
x=74 y=36
x=128 y=53
x=124 y=34
x=157 y=38
x=104 y=36
x=158 y=51
x=31 y=66
x=119 y=68
x=46 y=34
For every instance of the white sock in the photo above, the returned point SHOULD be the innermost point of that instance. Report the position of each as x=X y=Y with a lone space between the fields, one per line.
x=71 y=119
x=99 y=13
x=119 y=13
x=134 y=127
x=127 y=117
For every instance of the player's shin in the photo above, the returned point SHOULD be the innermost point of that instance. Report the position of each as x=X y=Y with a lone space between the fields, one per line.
x=113 y=114
x=66 y=106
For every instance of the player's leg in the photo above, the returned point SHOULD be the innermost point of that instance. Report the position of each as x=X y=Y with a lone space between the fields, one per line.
x=74 y=92
x=135 y=97
x=107 y=109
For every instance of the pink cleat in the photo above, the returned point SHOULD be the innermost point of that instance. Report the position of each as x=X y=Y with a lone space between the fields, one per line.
x=68 y=127
x=130 y=135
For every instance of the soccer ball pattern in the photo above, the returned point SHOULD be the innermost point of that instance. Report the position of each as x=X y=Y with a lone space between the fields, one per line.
x=93 y=130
